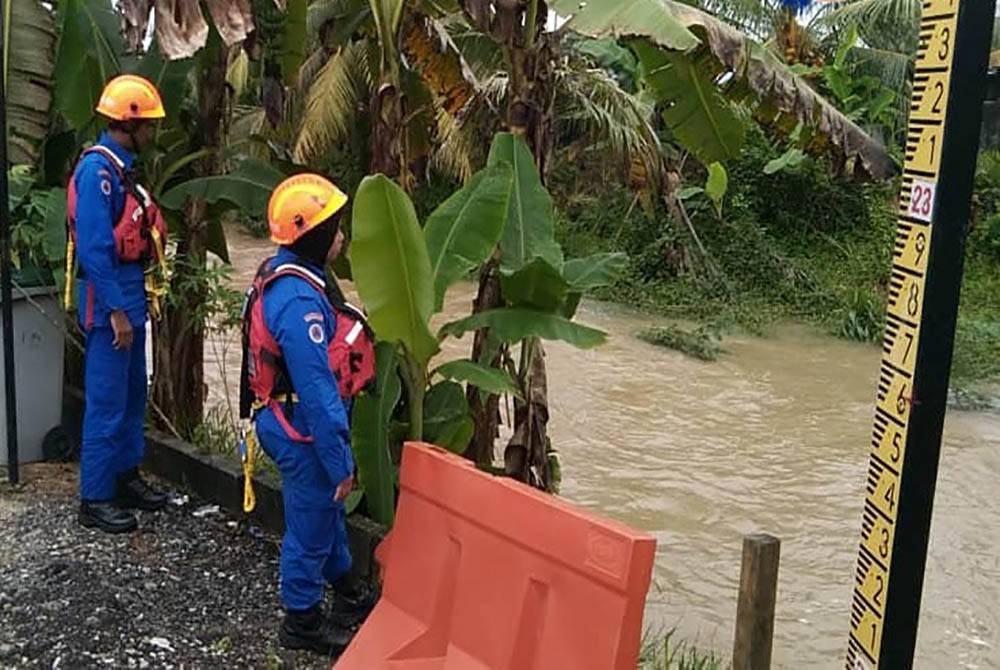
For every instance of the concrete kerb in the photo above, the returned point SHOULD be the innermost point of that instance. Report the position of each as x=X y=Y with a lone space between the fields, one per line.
x=219 y=480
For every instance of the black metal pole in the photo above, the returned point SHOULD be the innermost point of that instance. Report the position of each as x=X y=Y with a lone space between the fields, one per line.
x=950 y=82
x=5 y=282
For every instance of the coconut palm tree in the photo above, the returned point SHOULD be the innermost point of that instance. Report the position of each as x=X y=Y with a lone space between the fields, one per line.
x=387 y=59
x=887 y=31
x=792 y=28
x=455 y=88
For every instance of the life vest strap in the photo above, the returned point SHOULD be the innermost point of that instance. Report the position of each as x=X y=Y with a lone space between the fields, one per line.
x=274 y=404
x=282 y=398
x=299 y=271
x=107 y=153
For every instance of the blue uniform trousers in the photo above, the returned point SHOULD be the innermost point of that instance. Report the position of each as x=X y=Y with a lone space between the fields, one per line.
x=314 y=550
x=114 y=415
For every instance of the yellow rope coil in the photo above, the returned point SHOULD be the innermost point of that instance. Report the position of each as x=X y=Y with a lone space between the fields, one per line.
x=248 y=454
x=157 y=277
x=70 y=264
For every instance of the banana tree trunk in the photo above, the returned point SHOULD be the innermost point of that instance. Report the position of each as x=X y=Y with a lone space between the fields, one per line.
x=178 y=380
x=517 y=26
x=388 y=107
x=530 y=114
x=389 y=134
x=530 y=110
x=526 y=456
x=485 y=408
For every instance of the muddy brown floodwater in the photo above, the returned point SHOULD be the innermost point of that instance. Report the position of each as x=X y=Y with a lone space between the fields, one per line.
x=772 y=437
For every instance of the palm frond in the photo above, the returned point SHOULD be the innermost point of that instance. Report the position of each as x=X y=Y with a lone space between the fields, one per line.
x=456 y=144
x=892 y=67
x=460 y=147
x=754 y=17
x=590 y=103
x=895 y=12
x=331 y=105
x=888 y=31
x=368 y=65
x=297 y=96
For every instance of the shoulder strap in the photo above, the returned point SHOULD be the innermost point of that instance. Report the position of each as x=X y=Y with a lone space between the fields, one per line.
x=302 y=272
x=252 y=292
x=107 y=153
x=267 y=274
x=116 y=163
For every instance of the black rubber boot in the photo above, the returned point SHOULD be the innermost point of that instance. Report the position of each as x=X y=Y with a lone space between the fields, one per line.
x=134 y=493
x=352 y=602
x=107 y=517
x=311 y=631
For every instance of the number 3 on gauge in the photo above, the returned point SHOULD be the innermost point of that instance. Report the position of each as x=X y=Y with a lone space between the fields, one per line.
x=922 y=200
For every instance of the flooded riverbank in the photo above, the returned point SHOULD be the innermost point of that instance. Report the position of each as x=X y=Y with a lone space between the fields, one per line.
x=772 y=437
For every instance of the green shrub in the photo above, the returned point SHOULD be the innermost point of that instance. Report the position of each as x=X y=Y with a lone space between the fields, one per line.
x=701 y=343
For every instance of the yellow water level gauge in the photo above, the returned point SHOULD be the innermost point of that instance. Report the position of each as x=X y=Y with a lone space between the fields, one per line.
x=942 y=144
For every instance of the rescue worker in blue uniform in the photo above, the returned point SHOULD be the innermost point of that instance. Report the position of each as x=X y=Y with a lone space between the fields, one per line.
x=301 y=402
x=112 y=311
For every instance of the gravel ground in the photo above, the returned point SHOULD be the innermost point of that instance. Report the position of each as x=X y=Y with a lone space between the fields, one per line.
x=192 y=588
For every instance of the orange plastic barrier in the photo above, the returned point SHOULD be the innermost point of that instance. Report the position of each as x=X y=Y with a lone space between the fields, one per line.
x=481 y=572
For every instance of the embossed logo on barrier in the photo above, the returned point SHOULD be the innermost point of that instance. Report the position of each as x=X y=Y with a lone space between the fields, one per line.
x=606 y=552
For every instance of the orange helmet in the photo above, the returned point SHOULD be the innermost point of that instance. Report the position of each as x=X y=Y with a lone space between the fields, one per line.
x=299 y=204
x=129 y=97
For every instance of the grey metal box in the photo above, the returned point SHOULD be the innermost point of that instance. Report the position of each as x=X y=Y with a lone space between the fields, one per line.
x=38 y=370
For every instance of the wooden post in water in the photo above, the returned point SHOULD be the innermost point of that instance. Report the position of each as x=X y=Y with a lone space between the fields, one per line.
x=755 y=611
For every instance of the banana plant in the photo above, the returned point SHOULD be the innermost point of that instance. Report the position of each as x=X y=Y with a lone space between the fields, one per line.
x=180 y=26
x=402 y=274
x=28 y=66
x=701 y=71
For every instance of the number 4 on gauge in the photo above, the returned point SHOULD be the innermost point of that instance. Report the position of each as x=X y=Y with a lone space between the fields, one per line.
x=922 y=200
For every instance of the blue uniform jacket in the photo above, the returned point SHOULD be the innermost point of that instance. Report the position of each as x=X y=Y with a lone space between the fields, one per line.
x=104 y=284
x=300 y=319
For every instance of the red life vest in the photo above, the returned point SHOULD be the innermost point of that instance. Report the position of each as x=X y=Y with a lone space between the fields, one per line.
x=351 y=351
x=139 y=216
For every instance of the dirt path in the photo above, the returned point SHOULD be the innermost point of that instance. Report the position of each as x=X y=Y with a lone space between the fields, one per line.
x=186 y=591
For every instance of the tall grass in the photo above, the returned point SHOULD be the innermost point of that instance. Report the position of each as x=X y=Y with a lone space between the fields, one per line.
x=662 y=651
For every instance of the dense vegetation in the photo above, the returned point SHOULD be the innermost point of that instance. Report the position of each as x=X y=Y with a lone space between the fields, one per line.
x=731 y=163
x=797 y=244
